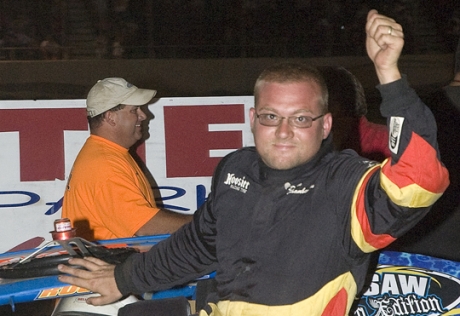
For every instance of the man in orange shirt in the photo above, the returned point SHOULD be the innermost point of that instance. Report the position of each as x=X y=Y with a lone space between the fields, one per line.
x=107 y=195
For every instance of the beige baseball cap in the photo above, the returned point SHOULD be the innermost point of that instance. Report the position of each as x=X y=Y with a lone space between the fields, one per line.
x=110 y=92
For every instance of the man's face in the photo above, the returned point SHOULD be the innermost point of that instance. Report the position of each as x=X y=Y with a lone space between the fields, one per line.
x=284 y=146
x=128 y=128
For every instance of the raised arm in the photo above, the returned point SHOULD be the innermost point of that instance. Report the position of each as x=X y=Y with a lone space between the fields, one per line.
x=384 y=43
x=393 y=200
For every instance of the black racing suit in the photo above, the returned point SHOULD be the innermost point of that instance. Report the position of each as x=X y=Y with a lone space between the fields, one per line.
x=301 y=237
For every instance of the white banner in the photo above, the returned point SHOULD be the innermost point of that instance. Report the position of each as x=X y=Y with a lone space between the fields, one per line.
x=40 y=140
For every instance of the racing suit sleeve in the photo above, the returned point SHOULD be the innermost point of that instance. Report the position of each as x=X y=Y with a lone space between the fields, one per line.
x=391 y=199
x=187 y=254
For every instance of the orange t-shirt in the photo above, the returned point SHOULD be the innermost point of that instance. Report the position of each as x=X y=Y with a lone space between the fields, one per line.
x=107 y=195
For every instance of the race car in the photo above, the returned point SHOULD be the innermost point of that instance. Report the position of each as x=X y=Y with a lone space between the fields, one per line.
x=402 y=283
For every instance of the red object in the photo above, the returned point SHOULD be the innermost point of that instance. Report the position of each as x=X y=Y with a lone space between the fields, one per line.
x=63 y=229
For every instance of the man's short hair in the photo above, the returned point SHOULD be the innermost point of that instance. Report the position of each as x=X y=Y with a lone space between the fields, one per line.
x=287 y=72
x=346 y=93
x=96 y=121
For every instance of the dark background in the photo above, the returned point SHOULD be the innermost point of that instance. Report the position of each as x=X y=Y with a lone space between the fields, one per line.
x=217 y=28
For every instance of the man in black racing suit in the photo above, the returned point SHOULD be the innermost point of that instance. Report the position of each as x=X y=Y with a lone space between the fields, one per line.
x=289 y=225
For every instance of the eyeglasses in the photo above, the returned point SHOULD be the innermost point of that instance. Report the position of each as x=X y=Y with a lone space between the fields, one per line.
x=301 y=121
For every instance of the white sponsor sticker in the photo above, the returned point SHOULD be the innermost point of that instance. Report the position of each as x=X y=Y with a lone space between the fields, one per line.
x=396 y=124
